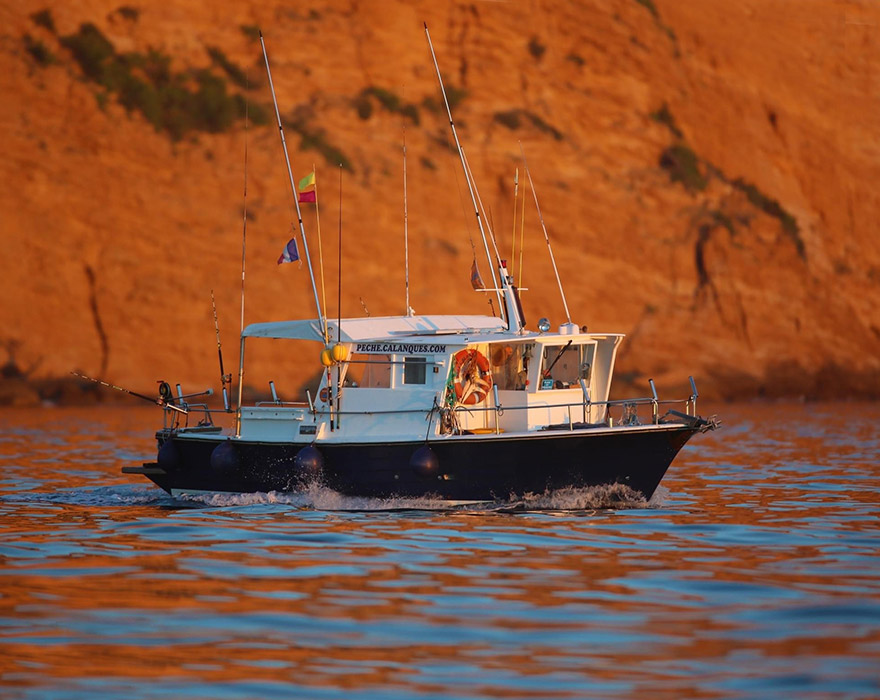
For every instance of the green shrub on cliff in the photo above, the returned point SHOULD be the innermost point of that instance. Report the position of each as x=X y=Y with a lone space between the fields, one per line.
x=178 y=103
x=683 y=165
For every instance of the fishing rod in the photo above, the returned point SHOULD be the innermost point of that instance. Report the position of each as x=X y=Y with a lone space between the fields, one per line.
x=339 y=305
x=515 y=202
x=165 y=396
x=339 y=266
x=470 y=184
x=320 y=252
x=302 y=229
x=546 y=236
x=243 y=248
x=224 y=378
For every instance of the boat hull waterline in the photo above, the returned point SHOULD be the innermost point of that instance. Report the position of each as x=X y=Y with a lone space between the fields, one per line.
x=460 y=468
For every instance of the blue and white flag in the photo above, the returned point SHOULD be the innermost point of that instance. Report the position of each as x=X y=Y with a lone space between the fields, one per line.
x=290 y=252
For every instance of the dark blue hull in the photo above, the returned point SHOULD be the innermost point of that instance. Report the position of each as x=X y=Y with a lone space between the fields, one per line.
x=469 y=467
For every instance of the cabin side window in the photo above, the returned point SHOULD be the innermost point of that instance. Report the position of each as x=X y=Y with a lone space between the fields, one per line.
x=563 y=366
x=377 y=370
x=414 y=370
x=509 y=363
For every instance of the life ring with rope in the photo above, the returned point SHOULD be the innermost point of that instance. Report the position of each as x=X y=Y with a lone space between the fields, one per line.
x=472 y=378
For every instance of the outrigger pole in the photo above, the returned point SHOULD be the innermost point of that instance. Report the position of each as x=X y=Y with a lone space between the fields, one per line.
x=513 y=305
x=546 y=237
x=488 y=218
x=467 y=177
x=302 y=229
x=161 y=401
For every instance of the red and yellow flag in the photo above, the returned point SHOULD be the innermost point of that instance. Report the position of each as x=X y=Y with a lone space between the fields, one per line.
x=307 y=188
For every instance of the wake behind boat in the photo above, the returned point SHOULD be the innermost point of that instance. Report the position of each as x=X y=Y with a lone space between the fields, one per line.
x=464 y=408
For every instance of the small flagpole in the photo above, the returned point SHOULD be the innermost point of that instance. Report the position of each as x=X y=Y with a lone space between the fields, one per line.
x=546 y=236
x=302 y=229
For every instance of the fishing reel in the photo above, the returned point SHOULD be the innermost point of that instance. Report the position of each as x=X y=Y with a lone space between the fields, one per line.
x=165 y=395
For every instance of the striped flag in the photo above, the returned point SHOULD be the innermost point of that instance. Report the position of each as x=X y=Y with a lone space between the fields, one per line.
x=476 y=280
x=290 y=252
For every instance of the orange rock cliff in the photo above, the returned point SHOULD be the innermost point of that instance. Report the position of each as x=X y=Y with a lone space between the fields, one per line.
x=707 y=173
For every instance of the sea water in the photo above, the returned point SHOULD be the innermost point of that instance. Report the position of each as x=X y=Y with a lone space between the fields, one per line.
x=753 y=573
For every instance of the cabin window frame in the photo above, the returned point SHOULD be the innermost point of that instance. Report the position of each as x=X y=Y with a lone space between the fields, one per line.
x=586 y=359
x=376 y=368
x=510 y=371
x=415 y=370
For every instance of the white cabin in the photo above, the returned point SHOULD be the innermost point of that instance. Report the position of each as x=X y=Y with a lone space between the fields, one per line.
x=397 y=376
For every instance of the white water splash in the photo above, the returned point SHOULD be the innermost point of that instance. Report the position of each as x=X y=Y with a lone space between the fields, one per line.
x=320 y=498
x=602 y=497
x=660 y=498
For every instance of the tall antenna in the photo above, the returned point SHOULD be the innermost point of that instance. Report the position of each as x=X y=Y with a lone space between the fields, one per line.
x=405 y=227
x=546 y=237
x=302 y=229
x=464 y=167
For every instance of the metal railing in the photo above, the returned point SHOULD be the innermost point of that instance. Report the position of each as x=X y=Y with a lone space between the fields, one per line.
x=180 y=410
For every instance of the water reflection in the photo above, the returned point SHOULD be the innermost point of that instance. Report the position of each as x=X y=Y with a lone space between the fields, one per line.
x=754 y=573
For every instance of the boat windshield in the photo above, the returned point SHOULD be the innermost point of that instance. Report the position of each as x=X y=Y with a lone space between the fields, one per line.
x=563 y=366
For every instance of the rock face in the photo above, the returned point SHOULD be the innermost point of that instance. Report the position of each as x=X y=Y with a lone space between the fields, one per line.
x=707 y=174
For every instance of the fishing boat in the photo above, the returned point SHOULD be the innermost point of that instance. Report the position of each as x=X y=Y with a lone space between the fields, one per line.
x=464 y=408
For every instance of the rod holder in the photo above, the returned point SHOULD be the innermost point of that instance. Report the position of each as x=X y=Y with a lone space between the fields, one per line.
x=274 y=394
x=497 y=408
x=655 y=408
x=694 y=394
x=587 y=403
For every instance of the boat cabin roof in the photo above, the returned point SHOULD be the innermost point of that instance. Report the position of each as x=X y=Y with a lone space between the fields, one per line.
x=377 y=328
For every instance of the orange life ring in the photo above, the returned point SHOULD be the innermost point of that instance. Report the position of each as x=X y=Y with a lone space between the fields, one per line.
x=473 y=380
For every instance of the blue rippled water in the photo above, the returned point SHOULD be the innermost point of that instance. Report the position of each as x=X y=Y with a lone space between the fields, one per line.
x=754 y=573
